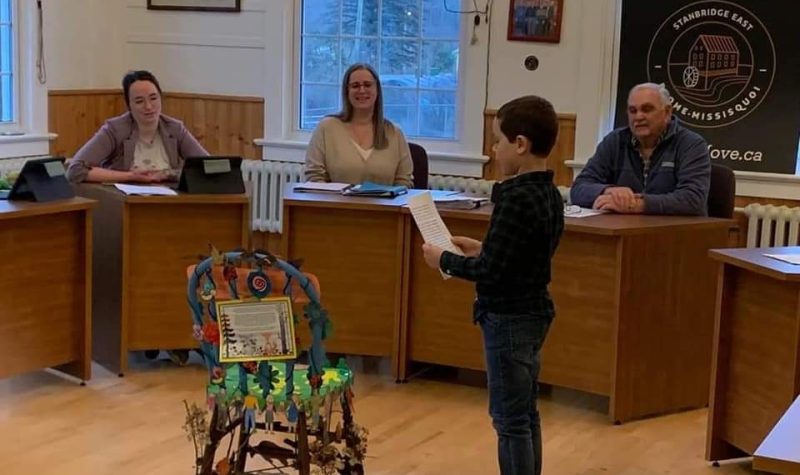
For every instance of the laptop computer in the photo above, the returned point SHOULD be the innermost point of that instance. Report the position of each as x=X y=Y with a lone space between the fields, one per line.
x=213 y=174
x=41 y=179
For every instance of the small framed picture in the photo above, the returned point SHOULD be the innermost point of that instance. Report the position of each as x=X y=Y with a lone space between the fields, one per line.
x=535 y=20
x=256 y=330
x=196 y=5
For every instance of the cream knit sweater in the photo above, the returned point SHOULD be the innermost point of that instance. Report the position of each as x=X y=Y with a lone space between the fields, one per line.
x=332 y=156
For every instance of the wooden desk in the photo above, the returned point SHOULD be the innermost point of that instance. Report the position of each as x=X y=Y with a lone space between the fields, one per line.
x=45 y=286
x=142 y=247
x=780 y=451
x=634 y=296
x=356 y=247
x=756 y=359
x=634 y=302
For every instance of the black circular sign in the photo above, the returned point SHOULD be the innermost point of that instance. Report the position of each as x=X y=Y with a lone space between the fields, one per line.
x=716 y=58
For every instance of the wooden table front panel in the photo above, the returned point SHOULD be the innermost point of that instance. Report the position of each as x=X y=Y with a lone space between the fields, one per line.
x=634 y=311
x=161 y=240
x=440 y=324
x=757 y=373
x=578 y=350
x=666 y=321
x=43 y=294
x=357 y=255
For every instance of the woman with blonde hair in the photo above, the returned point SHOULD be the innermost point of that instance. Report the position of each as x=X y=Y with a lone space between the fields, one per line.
x=358 y=144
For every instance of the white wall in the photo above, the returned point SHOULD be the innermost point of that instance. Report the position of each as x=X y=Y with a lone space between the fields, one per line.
x=203 y=52
x=83 y=43
x=91 y=43
x=574 y=74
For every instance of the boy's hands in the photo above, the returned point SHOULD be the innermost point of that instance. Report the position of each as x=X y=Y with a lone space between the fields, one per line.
x=432 y=255
x=470 y=247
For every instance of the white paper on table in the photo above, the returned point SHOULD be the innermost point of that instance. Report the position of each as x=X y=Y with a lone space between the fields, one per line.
x=145 y=190
x=790 y=258
x=430 y=224
x=436 y=194
x=574 y=211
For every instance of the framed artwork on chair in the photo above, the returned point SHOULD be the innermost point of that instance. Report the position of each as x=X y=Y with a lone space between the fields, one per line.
x=258 y=330
x=196 y=5
x=535 y=20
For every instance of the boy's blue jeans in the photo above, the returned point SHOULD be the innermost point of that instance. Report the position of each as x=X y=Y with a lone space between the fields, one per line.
x=512 y=343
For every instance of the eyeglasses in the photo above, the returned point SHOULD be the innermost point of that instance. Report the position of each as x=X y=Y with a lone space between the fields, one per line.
x=355 y=86
x=571 y=210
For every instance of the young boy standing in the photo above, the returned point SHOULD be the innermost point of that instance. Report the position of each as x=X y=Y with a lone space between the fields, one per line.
x=511 y=268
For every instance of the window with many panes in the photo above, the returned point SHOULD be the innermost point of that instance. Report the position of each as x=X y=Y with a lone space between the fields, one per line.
x=413 y=44
x=6 y=61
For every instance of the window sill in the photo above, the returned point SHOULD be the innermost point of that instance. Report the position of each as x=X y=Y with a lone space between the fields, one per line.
x=754 y=184
x=25 y=145
x=282 y=150
x=27 y=138
x=440 y=163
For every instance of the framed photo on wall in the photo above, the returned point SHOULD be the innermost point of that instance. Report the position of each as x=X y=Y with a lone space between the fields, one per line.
x=196 y=5
x=535 y=20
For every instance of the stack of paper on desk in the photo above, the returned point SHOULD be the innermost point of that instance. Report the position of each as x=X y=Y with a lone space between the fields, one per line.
x=318 y=187
x=790 y=258
x=459 y=201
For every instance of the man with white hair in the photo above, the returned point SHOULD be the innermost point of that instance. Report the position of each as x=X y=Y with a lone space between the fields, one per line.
x=653 y=166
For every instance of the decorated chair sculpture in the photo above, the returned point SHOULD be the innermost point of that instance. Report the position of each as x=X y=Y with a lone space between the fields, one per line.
x=259 y=395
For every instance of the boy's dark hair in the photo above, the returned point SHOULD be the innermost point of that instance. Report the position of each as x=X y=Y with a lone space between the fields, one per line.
x=531 y=117
x=133 y=76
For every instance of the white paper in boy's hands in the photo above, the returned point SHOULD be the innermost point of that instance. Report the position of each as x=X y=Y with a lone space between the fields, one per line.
x=430 y=224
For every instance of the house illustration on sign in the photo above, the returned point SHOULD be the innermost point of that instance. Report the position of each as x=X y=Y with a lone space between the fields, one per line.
x=711 y=56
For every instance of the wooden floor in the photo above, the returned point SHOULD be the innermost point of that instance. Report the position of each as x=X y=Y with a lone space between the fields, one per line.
x=132 y=426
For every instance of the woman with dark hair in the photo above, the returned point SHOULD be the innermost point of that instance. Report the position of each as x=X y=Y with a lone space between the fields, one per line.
x=142 y=145
x=358 y=144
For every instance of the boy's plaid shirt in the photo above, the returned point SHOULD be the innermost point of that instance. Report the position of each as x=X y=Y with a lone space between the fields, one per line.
x=513 y=269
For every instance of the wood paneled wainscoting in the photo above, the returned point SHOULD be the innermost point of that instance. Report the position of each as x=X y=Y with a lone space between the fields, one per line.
x=563 y=150
x=224 y=125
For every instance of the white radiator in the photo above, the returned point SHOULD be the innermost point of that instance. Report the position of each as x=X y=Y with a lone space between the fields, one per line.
x=267 y=179
x=459 y=183
x=772 y=226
